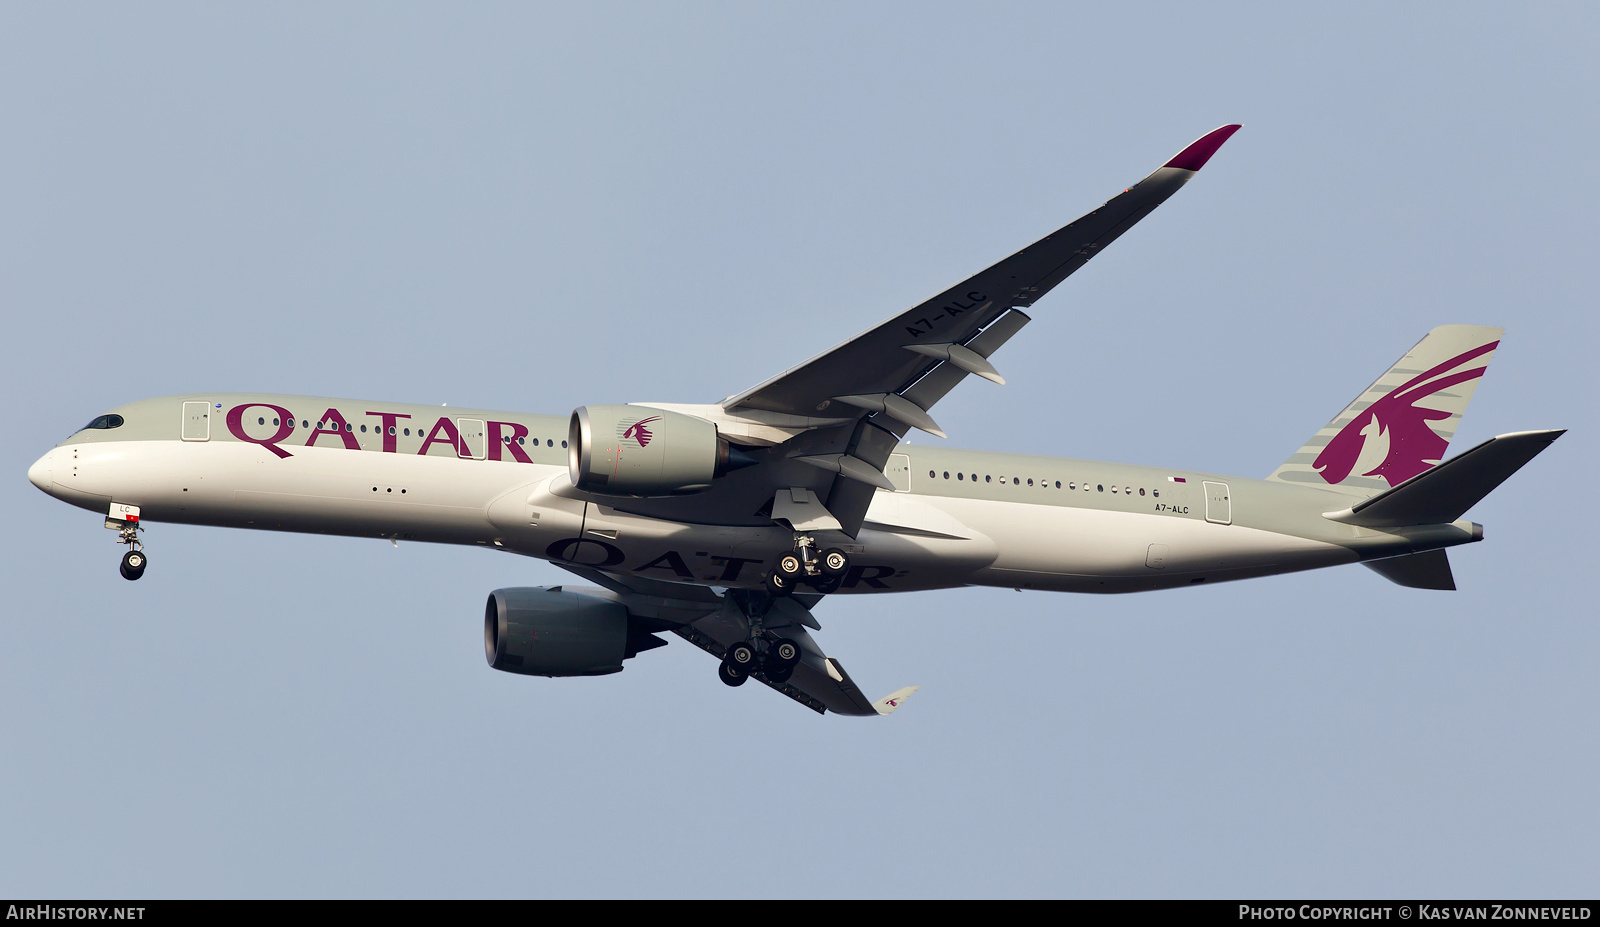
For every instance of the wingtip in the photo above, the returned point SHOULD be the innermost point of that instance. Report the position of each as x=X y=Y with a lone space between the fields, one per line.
x=887 y=704
x=1197 y=154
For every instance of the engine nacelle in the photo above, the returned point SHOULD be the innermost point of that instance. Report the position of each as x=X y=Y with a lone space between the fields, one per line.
x=558 y=632
x=639 y=451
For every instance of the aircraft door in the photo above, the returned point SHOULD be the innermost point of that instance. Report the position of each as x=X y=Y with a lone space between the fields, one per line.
x=899 y=472
x=1219 y=511
x=197 y=421
x=473 y=443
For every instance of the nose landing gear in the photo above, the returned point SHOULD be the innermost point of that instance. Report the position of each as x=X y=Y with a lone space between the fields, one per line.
x=124 y=519
x=133 y=563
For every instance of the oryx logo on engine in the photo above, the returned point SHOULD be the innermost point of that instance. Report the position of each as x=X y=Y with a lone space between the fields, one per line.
x=638 y=432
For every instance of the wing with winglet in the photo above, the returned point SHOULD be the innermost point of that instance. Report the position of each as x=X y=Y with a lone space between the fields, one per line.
x=713 y=622
x=830 y=423
x=828 y=426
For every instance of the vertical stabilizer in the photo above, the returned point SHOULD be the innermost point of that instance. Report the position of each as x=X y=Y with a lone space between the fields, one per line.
x=1402 y=424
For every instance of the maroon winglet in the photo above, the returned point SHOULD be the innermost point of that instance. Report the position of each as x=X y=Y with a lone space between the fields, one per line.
x=1195 y=156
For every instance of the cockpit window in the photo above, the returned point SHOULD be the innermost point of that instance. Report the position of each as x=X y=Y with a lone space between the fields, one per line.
x=105 y=421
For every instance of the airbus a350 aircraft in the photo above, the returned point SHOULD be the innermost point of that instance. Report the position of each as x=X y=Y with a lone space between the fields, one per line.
x=727 y=522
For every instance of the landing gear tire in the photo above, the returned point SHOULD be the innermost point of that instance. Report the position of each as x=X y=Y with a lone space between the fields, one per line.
x=790 y=567
x=835 y=562
x=133 y=564
x=786 y=652
x=778 y=584
x=731 y=676
x=741 y=657
x=827 y=586
x=782 y=658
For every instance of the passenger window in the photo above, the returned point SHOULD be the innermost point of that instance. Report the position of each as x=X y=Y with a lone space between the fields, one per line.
x=1016 y=482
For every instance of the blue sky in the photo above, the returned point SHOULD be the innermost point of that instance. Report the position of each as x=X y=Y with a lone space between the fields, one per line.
x=537 y=207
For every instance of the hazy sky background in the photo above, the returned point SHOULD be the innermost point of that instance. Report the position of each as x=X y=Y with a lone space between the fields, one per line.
x=533 y=208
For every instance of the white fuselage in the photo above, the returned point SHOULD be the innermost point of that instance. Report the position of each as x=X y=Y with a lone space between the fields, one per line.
x=1000 y=520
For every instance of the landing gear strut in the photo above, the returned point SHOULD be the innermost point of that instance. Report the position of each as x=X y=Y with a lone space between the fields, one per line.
x=134 y=561
x=805 y=565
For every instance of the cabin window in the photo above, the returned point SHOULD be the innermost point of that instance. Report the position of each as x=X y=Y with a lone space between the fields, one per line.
x=1141 y=490
x=1100 y=487
x=363 y=429
x=1072 y=486
x=1016 y=481
x=1030 y=481
x=961 y=476
x=947 y=474
x=391 y=429
x=1058 y=484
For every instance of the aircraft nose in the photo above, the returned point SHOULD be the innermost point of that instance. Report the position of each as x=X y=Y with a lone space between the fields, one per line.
x=39 y=473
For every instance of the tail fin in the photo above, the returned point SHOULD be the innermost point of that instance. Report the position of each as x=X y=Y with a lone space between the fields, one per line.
x=1402 y=424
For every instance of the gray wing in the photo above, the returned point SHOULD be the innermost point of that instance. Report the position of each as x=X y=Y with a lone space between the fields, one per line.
x=714 y=621
x=838 y=416
x=882 y=359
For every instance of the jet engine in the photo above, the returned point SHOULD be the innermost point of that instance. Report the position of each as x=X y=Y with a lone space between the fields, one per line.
x=639 y=451
x=560 y=632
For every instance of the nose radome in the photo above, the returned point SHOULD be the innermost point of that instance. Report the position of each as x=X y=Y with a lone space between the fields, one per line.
x=39 y=473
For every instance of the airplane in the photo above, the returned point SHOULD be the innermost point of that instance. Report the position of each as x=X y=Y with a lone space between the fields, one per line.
x=726 y=523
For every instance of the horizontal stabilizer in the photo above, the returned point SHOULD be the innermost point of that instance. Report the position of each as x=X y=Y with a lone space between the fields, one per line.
x=893 y=700
x=1444 y=493
x=1427 y=570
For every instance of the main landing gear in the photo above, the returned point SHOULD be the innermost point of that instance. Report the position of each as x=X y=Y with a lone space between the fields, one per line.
x=764 y=651
x=777 y=659
x=822 y=571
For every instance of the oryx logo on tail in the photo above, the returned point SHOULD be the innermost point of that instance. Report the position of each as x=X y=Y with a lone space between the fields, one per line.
x=1392 y=438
